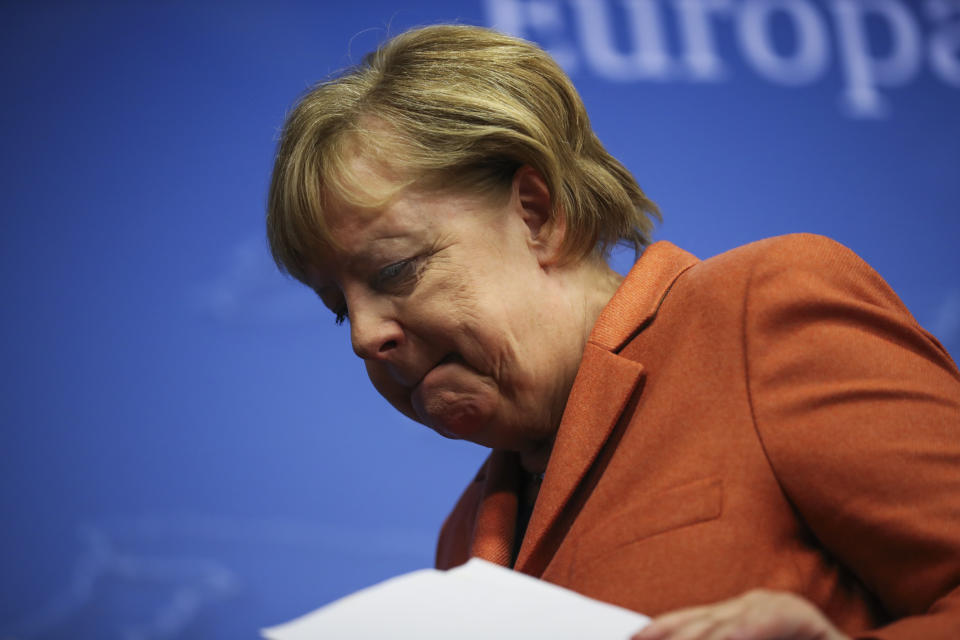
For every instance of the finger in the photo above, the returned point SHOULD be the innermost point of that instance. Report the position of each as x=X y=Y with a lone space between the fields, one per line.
x=681 y=617
x=651 y=632
x=756 y=615
x=774 y=616
x=734 y=630
x=663 y=626
x=697 y=629
x=711 y=621
x=679 y=625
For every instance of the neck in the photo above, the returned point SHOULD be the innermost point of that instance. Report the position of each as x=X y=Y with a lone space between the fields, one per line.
x=593 y=285
x=597 y=284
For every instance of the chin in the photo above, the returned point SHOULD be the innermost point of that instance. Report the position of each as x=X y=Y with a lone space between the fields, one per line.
x=454 y=414
x=463 y=424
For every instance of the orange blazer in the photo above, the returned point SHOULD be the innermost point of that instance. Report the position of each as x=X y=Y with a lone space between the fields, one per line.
x=773 y=418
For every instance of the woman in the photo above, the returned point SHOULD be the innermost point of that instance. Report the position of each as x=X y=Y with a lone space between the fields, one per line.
x=761 y=445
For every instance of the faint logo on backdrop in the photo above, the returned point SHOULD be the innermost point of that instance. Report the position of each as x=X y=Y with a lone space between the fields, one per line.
x=874 y=45
x=946 y=321
x=248 y=289
x=148 y=594
x=159 y=577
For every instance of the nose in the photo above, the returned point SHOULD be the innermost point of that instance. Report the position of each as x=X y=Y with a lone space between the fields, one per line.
x=374 y=332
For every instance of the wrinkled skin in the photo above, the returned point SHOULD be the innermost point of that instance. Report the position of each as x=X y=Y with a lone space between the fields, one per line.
x=463 y=314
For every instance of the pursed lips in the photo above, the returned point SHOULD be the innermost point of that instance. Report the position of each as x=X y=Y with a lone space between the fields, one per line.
x=399 y=377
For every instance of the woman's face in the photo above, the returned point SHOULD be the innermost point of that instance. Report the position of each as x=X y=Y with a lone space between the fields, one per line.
x=461 y=321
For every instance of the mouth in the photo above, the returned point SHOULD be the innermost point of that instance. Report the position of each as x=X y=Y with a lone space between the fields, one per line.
x=447 y=359
x=445 y=398
x=451 y=357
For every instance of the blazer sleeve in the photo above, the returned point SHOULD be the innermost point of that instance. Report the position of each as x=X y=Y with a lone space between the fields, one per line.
x=858 y=410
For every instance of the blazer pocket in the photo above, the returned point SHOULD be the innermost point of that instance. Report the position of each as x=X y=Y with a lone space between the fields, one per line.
x=667 y=510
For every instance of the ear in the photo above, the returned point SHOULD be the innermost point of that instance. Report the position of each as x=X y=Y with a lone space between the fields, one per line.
x=534 y=204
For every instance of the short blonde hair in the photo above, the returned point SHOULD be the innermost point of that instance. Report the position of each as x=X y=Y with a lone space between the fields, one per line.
x=451 y=107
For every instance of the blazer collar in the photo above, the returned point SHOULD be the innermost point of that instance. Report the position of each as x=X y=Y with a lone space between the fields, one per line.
x=635 y=303
x=600 y=392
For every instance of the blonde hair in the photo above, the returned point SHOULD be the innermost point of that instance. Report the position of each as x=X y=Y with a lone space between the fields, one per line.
x=450 y=107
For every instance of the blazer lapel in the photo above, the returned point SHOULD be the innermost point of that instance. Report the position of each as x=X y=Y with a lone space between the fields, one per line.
x=496 y=520
x=604 y=385
x=640 y=295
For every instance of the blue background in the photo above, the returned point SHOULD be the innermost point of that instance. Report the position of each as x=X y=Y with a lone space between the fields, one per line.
x=189 y=448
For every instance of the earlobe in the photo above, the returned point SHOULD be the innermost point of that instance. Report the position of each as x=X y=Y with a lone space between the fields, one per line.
x=535 y=205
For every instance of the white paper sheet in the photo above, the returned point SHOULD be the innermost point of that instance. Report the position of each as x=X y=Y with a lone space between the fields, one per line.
x=478 y=600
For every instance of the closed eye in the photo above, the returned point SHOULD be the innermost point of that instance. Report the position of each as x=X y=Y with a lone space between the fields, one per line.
x=396 y=275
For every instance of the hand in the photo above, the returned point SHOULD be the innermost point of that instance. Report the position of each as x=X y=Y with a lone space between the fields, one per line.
x=756 y=615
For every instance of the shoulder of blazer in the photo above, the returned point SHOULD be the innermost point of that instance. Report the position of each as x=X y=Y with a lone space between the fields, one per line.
x=653 y=276
x=639 y=296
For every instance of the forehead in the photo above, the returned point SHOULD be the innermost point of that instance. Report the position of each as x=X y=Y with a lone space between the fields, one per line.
x=357 y=188
x=365 y=193
x=386 y=210
x=361 y=234
x=411 y=222
x=358 y=174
